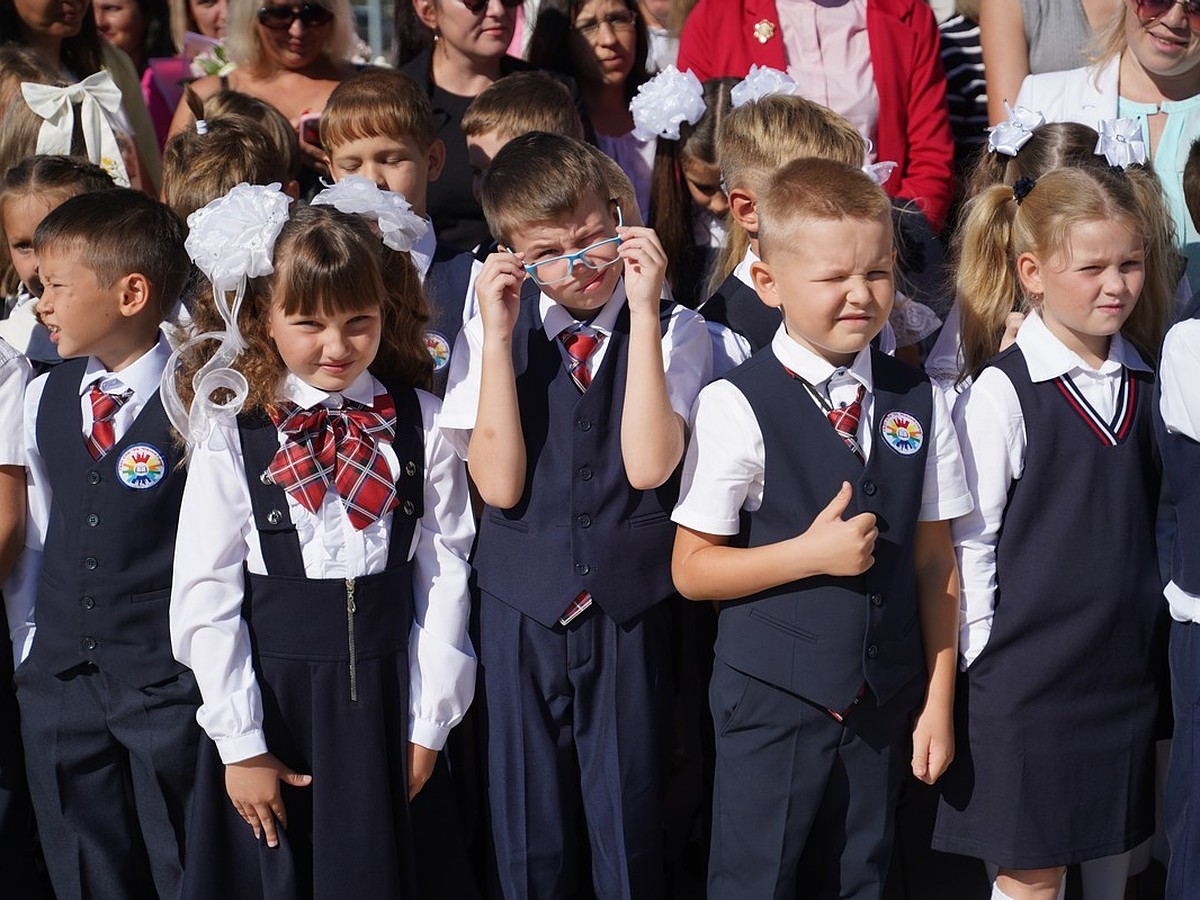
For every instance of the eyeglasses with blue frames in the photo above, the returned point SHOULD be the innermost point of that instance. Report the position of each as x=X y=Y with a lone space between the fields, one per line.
x=597 y=256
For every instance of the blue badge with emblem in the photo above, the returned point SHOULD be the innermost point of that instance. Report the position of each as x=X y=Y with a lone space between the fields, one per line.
x=902 y=432
x=439 y=349
x=141 y=466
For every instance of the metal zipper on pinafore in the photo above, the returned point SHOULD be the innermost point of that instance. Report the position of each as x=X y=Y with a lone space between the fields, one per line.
x=351 y=609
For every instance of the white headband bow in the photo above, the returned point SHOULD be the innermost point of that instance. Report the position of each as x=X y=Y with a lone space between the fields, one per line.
x=98 y=98
x=1010 y=136
x=399 y=226
x=1121 y=142
x=664 y=102
x=758 y=83
x=231 y=240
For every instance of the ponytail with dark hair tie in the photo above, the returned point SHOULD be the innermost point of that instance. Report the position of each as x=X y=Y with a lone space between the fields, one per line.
x=1021 y=188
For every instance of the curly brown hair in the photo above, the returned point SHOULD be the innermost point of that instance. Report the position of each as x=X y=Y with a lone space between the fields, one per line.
x=325 y=262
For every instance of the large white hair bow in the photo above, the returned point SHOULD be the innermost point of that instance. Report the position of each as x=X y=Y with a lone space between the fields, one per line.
x=231 y=240
x=399 y=226
x=1121 y=142
x=1010 y=136
x=664 y=102
x=759 y=82
x=99 y=102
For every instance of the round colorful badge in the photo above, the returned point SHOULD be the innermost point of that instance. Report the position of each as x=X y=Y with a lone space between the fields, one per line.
x=141 y=466
x=439 y=349
x=902 y=432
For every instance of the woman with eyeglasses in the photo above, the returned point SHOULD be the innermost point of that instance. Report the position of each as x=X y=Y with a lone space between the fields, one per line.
x=602 y=44
x=1149 y=70
x=290 y=54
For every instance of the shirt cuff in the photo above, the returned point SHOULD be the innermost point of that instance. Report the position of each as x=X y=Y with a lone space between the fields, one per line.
x=244 y=746
x=944 y=510
x=442 y=686
x=689 y=519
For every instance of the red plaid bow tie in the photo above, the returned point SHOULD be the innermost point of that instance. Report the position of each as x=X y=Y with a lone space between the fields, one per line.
x=580 y=345
x=339 y=447
x=104 y=407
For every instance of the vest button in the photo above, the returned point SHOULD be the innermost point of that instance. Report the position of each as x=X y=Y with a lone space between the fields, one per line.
x=582 y=568
x=584 y=520
x=88 y=643
x=93 y=520
x=585 y=473
x=869 y=488
x=408 y=507
x=265 y=477
x=877 y=599
x=93 y=477
x=88 y=603
x=872 y=651
x=274 y=517
x=410 y=468
x=90 y=563
x=585 y=425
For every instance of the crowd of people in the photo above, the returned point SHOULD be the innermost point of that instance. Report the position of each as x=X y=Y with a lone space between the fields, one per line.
x=384 y=496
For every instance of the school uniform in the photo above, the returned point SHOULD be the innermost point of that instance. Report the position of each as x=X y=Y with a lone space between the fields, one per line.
x=1062 y=616
x=815 y=681
x=1177 y=423
x=328 y=645
x=576 y=698
x=448 y=276
x=107 y=714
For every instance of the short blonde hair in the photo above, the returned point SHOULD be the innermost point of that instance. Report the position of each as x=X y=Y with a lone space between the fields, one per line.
x=245 y=49
x=378 y=102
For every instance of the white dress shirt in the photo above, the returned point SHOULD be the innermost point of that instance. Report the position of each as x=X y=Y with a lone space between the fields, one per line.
x=991 y=429
x=142 y=377
x=724 y=471
x=217 y=535
x=1180 y=408
x=15 y=373
x=686 y=351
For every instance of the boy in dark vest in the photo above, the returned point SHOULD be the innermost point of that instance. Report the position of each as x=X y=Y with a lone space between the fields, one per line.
x=379 y=125
x=568 y=397
x=833 y=563
x=107 y=714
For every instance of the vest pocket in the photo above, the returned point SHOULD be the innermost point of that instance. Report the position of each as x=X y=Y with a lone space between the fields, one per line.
x=498 y=518
x=786 y=627
x=149 y=596
x=648 y=519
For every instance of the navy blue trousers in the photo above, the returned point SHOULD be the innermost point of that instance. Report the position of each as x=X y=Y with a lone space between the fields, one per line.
x=577 y=720
x=802 y=804
x=1181 y=801
x=111 y=770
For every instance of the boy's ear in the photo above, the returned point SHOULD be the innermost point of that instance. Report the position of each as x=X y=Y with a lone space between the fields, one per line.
x=137 y=294
x=292 y=188
x=437 y=159
x=1029 y=270
x=743 y=206
x=765 y=284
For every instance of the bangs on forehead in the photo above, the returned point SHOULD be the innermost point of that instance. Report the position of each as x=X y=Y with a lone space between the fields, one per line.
x=323 y=271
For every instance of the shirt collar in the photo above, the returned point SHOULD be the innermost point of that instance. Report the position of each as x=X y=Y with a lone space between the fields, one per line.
x=556 y=319
x=423 y=250
x=815 y=369
x=742 y=271
x=363 y=389
x=1048 y=358
x=142 y=376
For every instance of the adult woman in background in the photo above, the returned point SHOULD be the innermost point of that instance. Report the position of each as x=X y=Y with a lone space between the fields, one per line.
x=206 y=17
x=290 y=55
x=142 y=28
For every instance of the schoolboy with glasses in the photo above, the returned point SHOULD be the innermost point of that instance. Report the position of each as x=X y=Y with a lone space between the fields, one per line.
x=569 y=404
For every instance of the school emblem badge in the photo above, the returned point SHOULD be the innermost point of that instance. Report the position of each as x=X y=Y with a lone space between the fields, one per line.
x=902 y=432
x=141 y=467
x=439 y=349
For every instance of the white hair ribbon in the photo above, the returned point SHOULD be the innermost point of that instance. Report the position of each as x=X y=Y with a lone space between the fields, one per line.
x=1121 y=142
x=759 y=82
x=666 y=101
x=1010 y=136
x=99 y=99
x=399 y=226
x=231 y=240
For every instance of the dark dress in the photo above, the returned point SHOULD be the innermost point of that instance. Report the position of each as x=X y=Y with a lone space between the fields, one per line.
x=1056 y=718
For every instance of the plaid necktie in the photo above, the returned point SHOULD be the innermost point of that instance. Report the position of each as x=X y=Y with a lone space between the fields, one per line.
x=580 y=342
x=104 y=407
x=338 y=447
x=845 y=421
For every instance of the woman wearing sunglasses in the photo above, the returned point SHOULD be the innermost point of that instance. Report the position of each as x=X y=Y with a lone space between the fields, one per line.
x=290 y=54
x=1149 y=70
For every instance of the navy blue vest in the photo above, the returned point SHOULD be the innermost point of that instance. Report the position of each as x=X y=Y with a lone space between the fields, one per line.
x=446 y=290
x=105 y=587
x=822 y=637
x=1181 y=468
x=738 y=307
x=579 y=525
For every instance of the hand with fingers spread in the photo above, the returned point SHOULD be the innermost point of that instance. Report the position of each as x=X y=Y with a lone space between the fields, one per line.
x=645 y=268
x=253 y=787
x=498 y=292
x=838 y=546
